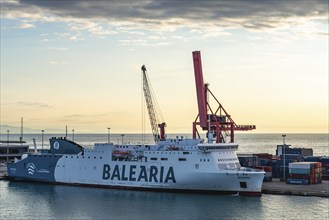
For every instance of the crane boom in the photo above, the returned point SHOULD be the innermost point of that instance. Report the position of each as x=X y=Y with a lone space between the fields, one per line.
x=151 y=110
x=218 y=123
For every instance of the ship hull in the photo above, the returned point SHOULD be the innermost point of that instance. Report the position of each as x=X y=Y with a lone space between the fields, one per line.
x=165 y=177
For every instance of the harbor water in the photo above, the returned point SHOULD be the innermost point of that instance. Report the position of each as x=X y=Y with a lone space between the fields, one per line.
x=26 y=200
x=41 y=201
x=248 y=142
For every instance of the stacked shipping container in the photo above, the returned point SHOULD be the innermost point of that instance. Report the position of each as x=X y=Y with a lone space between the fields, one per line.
x=325 y=164
x=280 y=162
x=305 y=173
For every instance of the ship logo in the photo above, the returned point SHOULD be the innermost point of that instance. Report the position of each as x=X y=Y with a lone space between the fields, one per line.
x=56 y=145
x=31 y=168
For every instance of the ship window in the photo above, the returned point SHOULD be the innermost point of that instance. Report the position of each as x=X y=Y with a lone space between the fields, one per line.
x=208 y=160
x=186 y=152
x=88 y=157
x=243 y=184
x=94 y=157
x=181 y=159
x=164 y=158
x=101 y=157
x=196 y=166
x=222 y=166
x=154 y=158
x=200 y=160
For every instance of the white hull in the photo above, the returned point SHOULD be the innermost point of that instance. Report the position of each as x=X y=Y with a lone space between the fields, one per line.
x=199 y=167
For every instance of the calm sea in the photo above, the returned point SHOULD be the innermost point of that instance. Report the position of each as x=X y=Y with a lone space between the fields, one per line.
x=248 y=143
x=40 y=201
x=20 y=200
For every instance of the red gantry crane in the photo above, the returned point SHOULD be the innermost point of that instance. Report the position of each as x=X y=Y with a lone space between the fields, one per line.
x=151 y=110
x=218 y=122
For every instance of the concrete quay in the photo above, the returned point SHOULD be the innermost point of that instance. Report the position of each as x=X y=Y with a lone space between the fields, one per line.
x=281 y=188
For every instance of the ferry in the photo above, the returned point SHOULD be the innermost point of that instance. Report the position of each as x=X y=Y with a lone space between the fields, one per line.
x=170 y=164
x=194 y=166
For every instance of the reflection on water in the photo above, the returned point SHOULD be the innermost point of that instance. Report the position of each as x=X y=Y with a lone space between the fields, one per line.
x=41 y=201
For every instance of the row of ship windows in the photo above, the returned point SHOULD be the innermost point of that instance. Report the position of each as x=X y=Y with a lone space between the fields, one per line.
x=84 y=157
x=131 y=147
x=164 y=159
x=93 y=151
x=229 y=159
x=65 y=156
x=94 y=167
x=166 y=152
x=226 y=152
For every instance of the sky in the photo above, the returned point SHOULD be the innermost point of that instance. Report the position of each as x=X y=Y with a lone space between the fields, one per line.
x=78 y=63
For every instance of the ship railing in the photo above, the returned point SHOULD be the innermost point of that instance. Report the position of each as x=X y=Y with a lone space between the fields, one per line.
x=250 y=169
x=206 y=148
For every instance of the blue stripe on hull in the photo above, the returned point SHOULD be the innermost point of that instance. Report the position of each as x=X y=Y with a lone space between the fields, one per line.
x=34 y=167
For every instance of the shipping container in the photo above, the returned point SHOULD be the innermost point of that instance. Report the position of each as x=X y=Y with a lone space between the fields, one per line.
x=299 y=171
x=299 y=176
x=312 y=159
x=285 y=149
x=305 y=165
x=294 y=157
x=264 y=156
x=325 y=177
x=324 y=160
x=297 y=181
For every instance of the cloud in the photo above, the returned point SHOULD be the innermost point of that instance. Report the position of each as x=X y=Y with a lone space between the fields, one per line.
x=92 y=27
x=59 y=48
x=34 y=104
x=54 y=62
x=163 y=15
x=25 y=25
x=86 y=118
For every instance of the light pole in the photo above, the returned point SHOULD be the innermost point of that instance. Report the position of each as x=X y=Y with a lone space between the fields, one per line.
x=284 y=156
x=7 y=146
x=122 y=138
x=73 y=134
x=42 y=138
x=108 y=135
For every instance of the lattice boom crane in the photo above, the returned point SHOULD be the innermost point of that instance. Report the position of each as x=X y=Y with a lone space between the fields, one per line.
x=151 y=110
